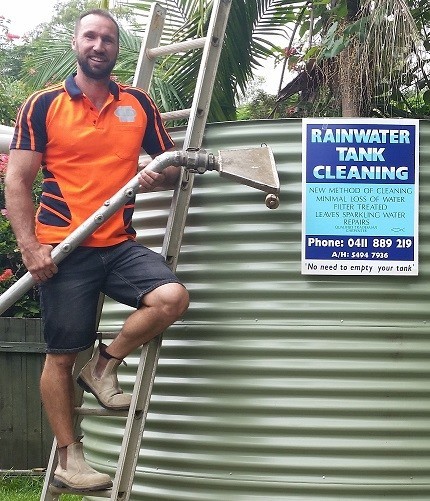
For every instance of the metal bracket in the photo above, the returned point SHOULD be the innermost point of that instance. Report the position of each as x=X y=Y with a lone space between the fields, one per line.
x=253 y=167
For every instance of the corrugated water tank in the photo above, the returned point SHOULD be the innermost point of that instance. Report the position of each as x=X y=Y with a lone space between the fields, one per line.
x=279 y=386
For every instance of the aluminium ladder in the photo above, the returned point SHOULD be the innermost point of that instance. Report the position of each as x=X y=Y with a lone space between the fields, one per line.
x=197 y=116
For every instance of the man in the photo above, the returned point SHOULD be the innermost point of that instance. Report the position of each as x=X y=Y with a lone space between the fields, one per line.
x=87 y=134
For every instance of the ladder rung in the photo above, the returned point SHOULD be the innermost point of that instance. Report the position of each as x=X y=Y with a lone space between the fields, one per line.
x=106 y=493
x=163 y=50
x=176 y=115
x=108 y=335
x=89 y=411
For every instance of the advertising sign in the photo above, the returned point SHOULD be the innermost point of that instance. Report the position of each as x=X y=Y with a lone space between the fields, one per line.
x=360 y=196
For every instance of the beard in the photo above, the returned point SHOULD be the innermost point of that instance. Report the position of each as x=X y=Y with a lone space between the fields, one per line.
x=95 y=73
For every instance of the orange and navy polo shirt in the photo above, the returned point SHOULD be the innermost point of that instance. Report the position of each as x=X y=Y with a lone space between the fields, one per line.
x=88 y=155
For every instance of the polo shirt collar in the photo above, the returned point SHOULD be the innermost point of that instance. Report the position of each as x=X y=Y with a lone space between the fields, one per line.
x=74 y=91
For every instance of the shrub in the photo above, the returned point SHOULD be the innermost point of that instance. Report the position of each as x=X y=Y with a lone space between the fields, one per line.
x=11 y=266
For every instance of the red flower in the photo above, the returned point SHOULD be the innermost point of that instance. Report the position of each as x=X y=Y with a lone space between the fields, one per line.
x=10 y=36
x=291 y=51
x=6 y=275
x=3 y=162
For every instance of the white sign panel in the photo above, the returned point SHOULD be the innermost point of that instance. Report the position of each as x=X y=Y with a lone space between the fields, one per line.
x=360 y=196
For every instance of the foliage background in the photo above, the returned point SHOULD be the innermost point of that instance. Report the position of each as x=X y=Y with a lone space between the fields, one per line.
x=11 y=267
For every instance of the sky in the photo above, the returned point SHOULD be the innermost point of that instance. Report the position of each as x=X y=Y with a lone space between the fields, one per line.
x=24 y=15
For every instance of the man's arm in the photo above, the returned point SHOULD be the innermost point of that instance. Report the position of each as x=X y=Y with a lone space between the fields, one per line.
x=22 y=169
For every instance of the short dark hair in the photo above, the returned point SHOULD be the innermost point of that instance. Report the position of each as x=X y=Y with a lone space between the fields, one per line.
x=96 y=12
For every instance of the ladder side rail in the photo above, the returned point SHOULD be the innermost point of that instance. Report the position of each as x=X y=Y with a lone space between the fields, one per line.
x=207 y=73
x=196 y=127
x=153 y=32
x=46 y=495
x=136 y=420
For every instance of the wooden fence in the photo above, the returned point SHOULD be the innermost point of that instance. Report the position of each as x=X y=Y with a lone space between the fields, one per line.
x=25 y=436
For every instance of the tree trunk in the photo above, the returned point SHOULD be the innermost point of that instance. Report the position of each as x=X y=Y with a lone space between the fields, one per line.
x=349 y=82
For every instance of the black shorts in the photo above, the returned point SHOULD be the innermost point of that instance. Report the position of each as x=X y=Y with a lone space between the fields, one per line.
x=124 y=272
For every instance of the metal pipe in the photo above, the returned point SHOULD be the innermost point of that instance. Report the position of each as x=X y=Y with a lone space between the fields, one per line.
x=198 y=161
x=6 y=134
x=4 y=143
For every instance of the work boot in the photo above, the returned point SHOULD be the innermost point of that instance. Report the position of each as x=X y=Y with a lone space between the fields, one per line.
x=78 y=474
x=106 y=388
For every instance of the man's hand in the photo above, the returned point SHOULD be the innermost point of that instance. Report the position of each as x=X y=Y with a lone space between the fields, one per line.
x=37 y=259
x=21 y=171
x=158 y=181
x=151 y=181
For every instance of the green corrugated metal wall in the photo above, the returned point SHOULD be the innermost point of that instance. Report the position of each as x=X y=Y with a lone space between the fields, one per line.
x=278 y=386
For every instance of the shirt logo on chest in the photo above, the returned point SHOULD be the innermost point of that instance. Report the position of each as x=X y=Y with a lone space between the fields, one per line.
x=126 y=113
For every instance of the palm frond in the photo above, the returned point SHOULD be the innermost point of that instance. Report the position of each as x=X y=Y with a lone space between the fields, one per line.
x=245 y=46
x=52 y=62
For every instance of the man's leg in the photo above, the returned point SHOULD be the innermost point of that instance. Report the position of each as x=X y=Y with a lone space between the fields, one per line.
x=160 y=308
x=57 y=391
x=56 y=388
x=69 y=305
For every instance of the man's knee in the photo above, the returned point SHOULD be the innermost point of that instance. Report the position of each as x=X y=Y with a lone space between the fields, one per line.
x=60 y=362
x=183 y=300
x=175 y=300
x=171 y=299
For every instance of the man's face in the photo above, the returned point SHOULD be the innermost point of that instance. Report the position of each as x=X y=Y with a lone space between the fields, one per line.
x=96 y=46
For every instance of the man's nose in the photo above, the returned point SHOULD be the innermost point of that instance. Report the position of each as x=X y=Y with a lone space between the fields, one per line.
x=98 y=45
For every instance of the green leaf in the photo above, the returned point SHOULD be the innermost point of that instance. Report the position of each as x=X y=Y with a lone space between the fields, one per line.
x=313 y=52
x=338 y=47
